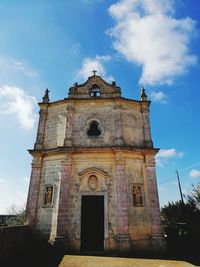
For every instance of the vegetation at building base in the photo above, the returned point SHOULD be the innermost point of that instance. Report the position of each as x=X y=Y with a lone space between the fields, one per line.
x=181 y=224
x=15 y=216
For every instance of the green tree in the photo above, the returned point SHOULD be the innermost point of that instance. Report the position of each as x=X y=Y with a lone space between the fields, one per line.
x=194 y=197
x=180 y=218
x=181 y=225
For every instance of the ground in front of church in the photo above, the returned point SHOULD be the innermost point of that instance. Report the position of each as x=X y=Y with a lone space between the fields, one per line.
x=92 y=261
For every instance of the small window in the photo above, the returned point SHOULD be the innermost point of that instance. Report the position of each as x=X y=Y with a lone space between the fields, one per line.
x=94 y=129
x=137 y=196
x=95 y=91
x=48 y=196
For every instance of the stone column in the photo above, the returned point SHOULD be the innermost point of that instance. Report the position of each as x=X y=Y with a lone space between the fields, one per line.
x=123 y=237
x=146 y=125
x=119 y=140
x=33 y=193
x=154 y=209
x=63 y=208
x=69 y=125
x=41 y=127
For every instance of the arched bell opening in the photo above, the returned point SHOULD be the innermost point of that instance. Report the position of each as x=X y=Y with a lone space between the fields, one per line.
x=95 y=91
x=94 y=129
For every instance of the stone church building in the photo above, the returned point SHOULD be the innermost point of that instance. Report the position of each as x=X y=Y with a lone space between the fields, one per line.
x=93 y=181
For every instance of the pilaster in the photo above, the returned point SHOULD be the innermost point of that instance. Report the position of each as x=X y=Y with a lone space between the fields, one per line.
x=154 y=209
x=69 y=125
x=123 y=238
x=33 y=193
x=146 y=125
x=64 y=199
x=119 y=140
x=41 y=127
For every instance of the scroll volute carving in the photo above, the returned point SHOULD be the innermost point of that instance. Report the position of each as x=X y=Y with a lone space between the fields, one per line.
x=93 y=179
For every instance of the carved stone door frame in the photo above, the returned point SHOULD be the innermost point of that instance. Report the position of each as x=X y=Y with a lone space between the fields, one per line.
x=89 y=193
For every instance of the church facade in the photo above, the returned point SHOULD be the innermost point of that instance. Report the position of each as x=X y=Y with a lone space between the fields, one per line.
x=93 y=181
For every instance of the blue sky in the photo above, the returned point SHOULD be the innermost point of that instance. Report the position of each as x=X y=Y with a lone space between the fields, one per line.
x=150 y=43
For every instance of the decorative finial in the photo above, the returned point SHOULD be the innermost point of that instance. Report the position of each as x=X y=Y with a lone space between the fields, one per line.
x=113 y=83
x=143 y=96
x=46 y=96
x=94 y=71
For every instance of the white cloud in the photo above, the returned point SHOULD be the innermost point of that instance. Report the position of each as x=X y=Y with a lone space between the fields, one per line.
x=146 y=34
x=194 y=173
x=18 y=65
x=123 y=8
x=90 y=64
x=165 y=154
x=169 y=153
x=10 y=67
x=158 y=97
x=15 y=101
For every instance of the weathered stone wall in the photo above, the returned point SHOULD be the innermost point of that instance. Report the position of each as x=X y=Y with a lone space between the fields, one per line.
x=67 y=123
x=132 y=126
x=122 y=218
x=84 y=113
x=34 y=187
x=46 y=222
x=139 y=218
x=55 y=126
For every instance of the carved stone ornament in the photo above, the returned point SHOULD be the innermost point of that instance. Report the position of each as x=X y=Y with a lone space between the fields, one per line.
x=92 y=182
x=48 y=197
x=137 y=196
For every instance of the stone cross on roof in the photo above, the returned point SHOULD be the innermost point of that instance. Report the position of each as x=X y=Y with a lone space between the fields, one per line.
x=94 y=71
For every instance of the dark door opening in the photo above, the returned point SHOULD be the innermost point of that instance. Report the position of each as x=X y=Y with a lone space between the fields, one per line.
x=92 y=223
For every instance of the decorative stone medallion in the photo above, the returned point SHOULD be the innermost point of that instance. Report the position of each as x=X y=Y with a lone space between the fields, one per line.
x=92 y=182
